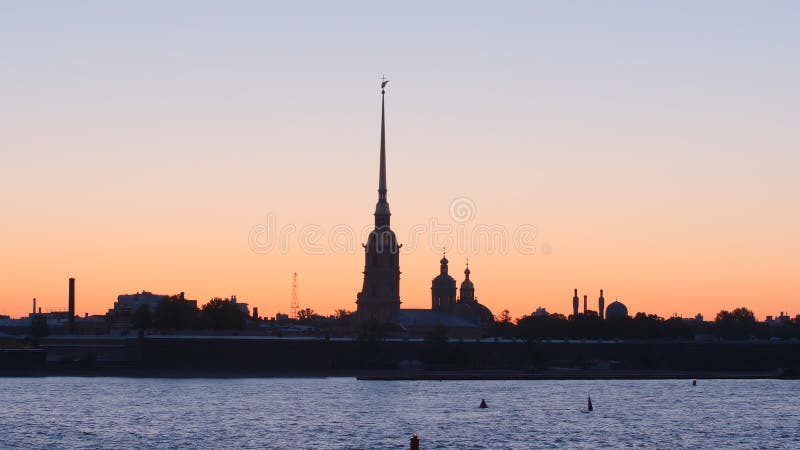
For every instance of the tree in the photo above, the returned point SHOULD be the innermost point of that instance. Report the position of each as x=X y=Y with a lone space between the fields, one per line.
x=502 y=325
x=305 y=315
x=646 y=326
x=340 y=314
x=737 y=324
x=504 y=317
x=175 y=313
x=219 y=314
x=539 y=327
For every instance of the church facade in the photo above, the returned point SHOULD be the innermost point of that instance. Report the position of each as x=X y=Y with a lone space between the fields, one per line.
x=379 y=298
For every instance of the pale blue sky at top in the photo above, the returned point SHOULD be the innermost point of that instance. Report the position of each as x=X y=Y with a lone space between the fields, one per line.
x=596 y=121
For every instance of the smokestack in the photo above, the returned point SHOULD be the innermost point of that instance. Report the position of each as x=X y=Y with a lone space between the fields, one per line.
x=601 y=303
x=585 y=304
x=71 y=323
x=255 y=312
x=34 y=305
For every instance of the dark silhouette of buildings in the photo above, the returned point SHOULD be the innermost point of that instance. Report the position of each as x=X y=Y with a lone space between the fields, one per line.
x=379 y=299
x=468 y=306
x=618 y=309
x=462 y=317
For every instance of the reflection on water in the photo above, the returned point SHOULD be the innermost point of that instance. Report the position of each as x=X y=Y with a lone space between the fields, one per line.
x=340 y=413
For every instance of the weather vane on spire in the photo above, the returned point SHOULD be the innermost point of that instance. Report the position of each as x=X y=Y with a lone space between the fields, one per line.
x=384 y=82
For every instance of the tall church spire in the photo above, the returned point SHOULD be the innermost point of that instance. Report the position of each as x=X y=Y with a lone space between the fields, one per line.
x=382 y=208
x=382 y=180
x=379 y=298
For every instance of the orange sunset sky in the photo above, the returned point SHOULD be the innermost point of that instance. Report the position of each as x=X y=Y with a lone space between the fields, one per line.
x=653 y=148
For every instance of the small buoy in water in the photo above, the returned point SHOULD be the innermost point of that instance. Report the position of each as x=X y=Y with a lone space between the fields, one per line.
x=483 y=404
x=589 y=406
x=414 y=445
x=694 y=382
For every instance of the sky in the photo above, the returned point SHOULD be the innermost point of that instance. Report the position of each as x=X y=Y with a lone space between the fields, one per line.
x=649 y=149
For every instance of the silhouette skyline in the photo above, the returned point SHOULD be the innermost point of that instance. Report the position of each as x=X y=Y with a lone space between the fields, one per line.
x=652 y=147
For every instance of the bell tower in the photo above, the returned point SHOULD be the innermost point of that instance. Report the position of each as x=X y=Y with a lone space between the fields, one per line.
x=379 y=298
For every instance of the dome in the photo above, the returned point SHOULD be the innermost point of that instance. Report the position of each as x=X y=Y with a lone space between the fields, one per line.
x=467 y=288
x=616 y=310
x=444 y=280
x=467 y=284
x=475 y=313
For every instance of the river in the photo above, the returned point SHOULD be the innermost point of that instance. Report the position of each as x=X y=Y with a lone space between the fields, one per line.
x=344 y=413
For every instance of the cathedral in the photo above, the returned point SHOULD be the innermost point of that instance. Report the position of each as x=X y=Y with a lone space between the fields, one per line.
x=443 y=297
x=379 y=299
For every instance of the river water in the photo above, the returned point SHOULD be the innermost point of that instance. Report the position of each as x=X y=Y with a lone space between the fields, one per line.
x=344 y=413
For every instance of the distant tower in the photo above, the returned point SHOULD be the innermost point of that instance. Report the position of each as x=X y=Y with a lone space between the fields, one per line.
x=467 y=288
x=71 y=306
x=601 y=303
x=585 y=304
x=575 y=302
x=379 y=298
x=34 y=305
x=443 y=289
x=295 y=297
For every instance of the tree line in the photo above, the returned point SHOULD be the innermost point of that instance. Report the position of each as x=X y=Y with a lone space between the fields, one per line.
x=737 y=324
x=175 y=313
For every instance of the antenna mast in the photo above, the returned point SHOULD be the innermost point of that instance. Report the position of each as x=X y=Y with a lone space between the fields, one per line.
x=295 y=298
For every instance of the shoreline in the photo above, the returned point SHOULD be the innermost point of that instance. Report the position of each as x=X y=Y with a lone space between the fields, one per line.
x=401 y=375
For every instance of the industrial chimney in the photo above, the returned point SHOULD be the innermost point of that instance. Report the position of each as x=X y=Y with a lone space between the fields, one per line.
x=71 y=323
x=601 y=303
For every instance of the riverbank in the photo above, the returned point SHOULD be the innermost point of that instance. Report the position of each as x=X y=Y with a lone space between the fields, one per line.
x=402 y=375
x=213 y=357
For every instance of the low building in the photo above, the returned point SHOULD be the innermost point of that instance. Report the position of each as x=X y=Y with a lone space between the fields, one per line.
x=782 y=319
x=540 y=312
x=422 y=322
x=129 y=303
